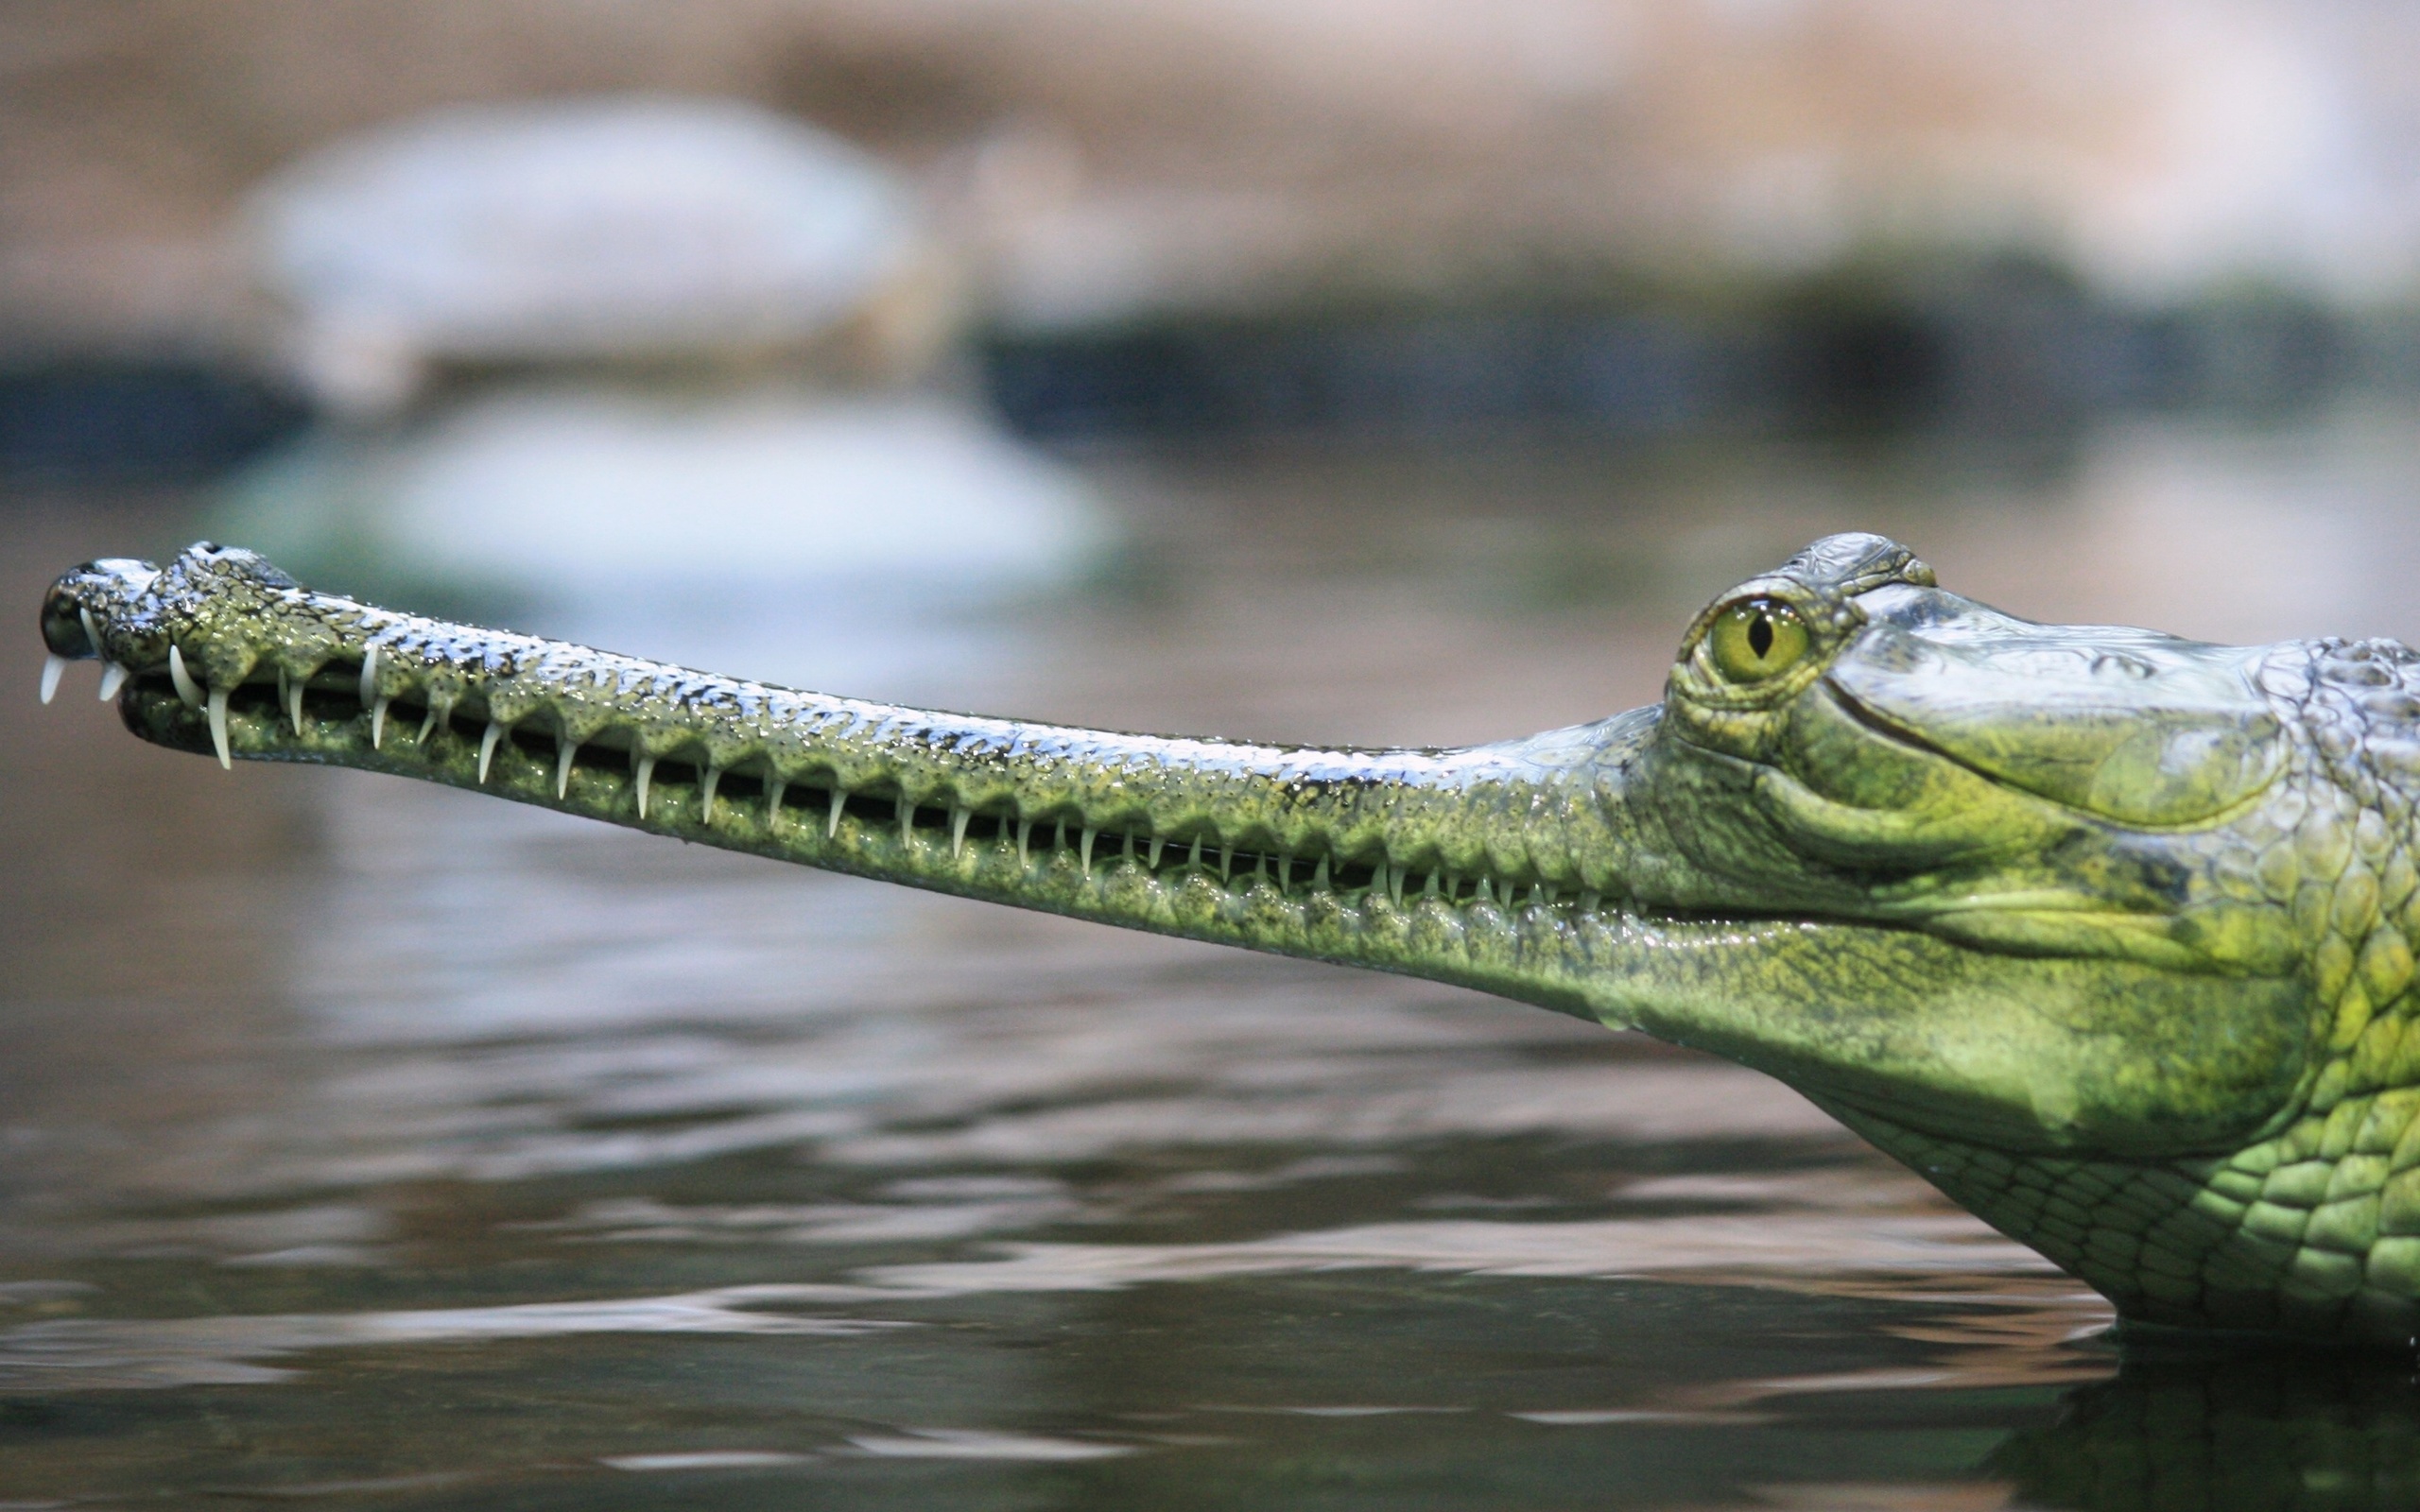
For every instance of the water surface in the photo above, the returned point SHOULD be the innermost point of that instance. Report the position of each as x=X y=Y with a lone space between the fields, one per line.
x=381 y=1145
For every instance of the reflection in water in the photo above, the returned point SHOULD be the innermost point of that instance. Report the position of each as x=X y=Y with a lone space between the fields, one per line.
x=367 y=1139
x=2181 y=1433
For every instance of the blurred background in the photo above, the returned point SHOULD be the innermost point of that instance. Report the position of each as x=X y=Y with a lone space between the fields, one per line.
x=1390 y=374
x=1174 y=218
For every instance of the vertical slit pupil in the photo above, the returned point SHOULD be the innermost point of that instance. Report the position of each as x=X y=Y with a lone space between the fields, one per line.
x=1760 y=634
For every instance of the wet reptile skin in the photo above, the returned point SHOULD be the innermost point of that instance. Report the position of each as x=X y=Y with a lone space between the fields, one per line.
x=2107 y=934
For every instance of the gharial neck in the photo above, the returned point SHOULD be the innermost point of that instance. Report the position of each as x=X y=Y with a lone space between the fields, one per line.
x=1480 y=865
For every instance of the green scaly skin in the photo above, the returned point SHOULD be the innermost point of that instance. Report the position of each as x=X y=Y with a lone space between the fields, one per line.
x=2105 y=933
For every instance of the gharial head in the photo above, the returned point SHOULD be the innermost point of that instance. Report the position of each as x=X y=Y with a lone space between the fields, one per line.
x=2050 y=888
x=1843 y=734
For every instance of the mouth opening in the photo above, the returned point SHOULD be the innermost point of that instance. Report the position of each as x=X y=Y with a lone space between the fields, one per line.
x=412 y=729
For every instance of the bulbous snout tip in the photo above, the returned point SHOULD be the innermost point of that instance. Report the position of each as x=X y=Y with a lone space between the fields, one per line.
x=69 y=610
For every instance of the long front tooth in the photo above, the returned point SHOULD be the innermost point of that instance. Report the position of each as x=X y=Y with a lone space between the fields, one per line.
x=774 y=788
x=487 y=747
x=1089 y=832
x=114 y=678
x=646 y=775
x=378 y=717
x=832 y=824
x=53 y=667
x=292 y=688
x=92 y=632
x=187 y=688
x=564 y=750
x=706 y=786
x=959 y=815
x=219 y=727
x=369 y=674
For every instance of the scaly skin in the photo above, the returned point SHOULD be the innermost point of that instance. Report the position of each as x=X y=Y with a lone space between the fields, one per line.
x=2103 y=932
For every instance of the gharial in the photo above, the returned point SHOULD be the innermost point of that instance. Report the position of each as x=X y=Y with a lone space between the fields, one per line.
x=2106 y=933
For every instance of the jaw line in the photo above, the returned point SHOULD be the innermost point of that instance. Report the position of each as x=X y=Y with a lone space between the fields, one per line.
x=2040 y=922
x=1884 y=727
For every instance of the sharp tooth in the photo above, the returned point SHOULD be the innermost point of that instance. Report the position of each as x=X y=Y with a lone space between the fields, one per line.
x=1428 y=889
x=1319 y=876
x=112 y=677
x=1485 y=894
x=53 y=666
x=565 y=748
x=487 y=747
x=1453 y=888
x=1285 y=871
x=1025 y=842
x=187 y=688
x=959 y=815
x=1378 y=878
x=219 y=727
x=706 y=786
x=905 y=808
x=1194 y=858
x=369 y=674
x=1157 y=845
x=646 y=775
x=377 y=718
x=840 y=796
x=1126 y=849
x=1395 y=885
x=92 y=632
x=1226 y=863
x=293 y=691
x=1089 y=832
x=773 y=790
x=428 y=722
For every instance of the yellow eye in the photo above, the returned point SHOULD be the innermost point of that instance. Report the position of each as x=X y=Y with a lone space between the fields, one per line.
x=1756 y=638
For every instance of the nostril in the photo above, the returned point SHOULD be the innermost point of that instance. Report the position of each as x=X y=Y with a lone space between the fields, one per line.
x=67 y=627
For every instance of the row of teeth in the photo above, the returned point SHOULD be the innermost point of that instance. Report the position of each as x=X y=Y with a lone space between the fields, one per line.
x=1393 y=880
